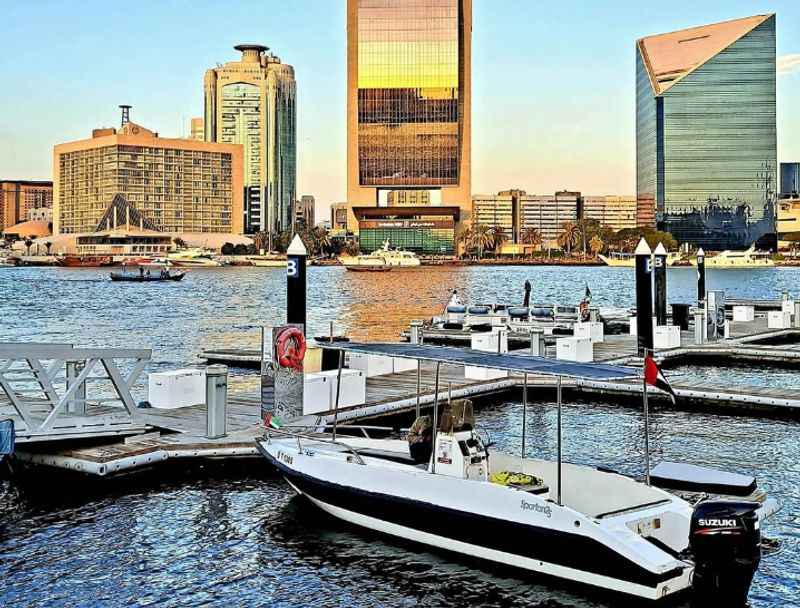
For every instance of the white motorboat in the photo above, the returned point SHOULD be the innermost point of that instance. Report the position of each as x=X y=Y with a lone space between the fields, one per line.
x=739 y=260
x=628 y=260
x=580 y=523
x=194 y=257
x=381 y=259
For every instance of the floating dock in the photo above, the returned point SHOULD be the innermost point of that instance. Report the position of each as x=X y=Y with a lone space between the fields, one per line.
x=59 y=428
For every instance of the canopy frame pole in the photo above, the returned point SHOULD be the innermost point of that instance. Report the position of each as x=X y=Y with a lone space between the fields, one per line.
x=558 y=430
x=338 y=389
x=419 y=371
x=646 y=423
x=435 y=417
x=524 y=409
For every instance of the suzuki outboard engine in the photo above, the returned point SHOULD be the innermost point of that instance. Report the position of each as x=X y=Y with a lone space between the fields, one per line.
x=725 y=541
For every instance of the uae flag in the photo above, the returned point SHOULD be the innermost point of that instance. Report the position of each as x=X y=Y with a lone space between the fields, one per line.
x=655 y=377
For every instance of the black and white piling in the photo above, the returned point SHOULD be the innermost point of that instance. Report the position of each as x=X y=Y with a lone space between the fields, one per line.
x=701 y=277
x=296 y=282
x=644 y=298
x=660 y=282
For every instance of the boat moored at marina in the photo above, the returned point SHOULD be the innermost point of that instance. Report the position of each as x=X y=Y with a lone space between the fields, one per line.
x=444 y=488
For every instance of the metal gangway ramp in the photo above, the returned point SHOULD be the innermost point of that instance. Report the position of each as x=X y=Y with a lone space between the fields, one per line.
x=57 y=391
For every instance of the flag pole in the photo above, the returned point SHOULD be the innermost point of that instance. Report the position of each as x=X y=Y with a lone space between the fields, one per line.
x=646 y=421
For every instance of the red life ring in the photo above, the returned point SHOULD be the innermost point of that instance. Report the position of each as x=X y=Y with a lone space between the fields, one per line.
x=290 y=348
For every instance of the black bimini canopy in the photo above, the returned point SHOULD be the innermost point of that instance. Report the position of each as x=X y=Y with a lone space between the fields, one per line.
x=507 y=362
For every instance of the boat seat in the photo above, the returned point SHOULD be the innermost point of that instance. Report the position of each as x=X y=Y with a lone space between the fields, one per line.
x=387 y=455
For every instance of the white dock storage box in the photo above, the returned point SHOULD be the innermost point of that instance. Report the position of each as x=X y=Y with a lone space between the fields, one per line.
x=316 y=393
x=371 y=365
x=487 y=341
x=667 y=336
x=354 y=387
x=787 y=306
x=574 y=349
x=777 y=319
x=177 y=388
x=483 y=373
x=744 y=314
x=401 y=364
x=590 y=329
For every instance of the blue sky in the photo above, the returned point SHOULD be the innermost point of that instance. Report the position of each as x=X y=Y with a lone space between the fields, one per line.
x=553 y=95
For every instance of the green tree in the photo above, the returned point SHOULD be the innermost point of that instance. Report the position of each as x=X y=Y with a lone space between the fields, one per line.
x=481 y=238
x=227 y=249
x=531 y=236
x=569 y=236
x=179 y=242
x=499 y=237
x=28 y=243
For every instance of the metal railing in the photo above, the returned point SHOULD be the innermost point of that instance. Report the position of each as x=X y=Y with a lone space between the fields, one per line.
x=52 y=388
x=315 y=439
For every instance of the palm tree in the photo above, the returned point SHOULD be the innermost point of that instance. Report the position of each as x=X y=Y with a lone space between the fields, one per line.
x=596 y=245
x=499 y=237
x=465 y=237
x=48 y=245
x=322 y=238
x=261 y=241
x=352 y=248
x=179 y=242
x=481 y=238
x=28 y=243
x=531 y=236
x=570 y=234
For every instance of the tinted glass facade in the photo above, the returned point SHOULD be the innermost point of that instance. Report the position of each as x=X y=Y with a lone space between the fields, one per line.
x=790 y=179
x=408 y=92
x=425 y=241
x=706 y=146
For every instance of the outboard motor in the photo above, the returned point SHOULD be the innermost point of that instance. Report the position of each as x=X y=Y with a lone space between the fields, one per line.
x=725 y=541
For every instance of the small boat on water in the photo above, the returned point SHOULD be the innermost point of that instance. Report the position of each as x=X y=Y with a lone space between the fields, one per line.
x=86 y=261
x=739 y=260
x=628 y=260
x=146 y=273
x=380 y=260
x=6 y=263
x=194 y=258
x=441 y=486
x=267 y=261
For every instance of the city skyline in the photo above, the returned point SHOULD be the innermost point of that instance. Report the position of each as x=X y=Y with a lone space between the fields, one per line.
x=571 y=118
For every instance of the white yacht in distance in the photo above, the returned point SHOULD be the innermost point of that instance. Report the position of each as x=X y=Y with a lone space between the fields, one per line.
x=628 y=260
x=739 y=260
x=380 y=259
x=194 y=257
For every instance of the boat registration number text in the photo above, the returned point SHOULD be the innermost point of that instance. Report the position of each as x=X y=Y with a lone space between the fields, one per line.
x=284 y=457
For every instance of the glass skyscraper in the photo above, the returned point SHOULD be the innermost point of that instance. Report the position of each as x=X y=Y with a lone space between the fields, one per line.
x=706 y=152
x=409 y=112
x=252 y=102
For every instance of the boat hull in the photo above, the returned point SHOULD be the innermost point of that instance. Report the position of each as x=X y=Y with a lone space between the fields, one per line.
x=558 y=548
x=132 y=278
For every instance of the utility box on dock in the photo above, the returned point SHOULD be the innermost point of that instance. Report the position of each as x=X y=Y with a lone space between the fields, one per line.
x=354 y=387
x=744 y=314
x=575 y=349
x=777 y=319
x=371 y=365
x=488 y=342
x=666 y=336
x=401 y=364
x=591 y=329
x=316 y=393
x=176 y=389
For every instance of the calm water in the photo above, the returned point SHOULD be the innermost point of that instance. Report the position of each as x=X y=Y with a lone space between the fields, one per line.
x=239 y=538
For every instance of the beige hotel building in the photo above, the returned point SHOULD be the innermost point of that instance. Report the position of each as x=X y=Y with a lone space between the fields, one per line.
x=169 y=185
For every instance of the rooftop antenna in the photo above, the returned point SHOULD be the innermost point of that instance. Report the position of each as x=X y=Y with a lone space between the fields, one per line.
x=126 y=114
